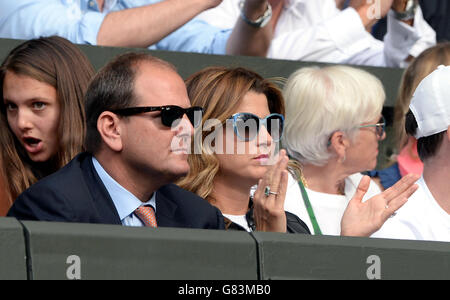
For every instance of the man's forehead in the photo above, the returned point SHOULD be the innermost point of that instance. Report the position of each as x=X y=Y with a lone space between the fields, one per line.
x=156 y=85
x=154 y=69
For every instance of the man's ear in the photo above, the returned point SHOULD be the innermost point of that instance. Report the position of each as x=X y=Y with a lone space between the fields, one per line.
x=339 y=143
x=109 y=127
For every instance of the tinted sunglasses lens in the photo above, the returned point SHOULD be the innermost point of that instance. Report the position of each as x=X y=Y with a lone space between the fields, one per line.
x=246 y=126
x=275 y=127
x=194 y=115
x=171 y=115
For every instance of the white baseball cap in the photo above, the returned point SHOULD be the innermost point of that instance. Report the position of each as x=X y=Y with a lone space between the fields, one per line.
x=430 y=103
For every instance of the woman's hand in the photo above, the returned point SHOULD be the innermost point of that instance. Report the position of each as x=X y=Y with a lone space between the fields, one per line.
x=365 y=218
x=268 y=208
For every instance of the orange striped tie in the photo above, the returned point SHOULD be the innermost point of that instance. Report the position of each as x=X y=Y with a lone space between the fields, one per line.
x=147 y=215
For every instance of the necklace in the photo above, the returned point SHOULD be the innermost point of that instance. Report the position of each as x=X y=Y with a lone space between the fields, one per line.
x=340 y=185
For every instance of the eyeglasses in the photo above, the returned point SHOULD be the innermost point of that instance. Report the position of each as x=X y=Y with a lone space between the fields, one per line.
x=380 y=127
x=171 y=115
x=247 y=125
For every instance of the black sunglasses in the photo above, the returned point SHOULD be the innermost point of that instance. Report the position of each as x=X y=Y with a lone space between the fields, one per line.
x=171 y=115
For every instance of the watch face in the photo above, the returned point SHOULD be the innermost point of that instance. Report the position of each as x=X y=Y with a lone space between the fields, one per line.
x=409 y=13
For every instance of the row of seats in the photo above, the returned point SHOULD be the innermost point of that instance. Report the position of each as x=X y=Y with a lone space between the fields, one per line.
x=42 y=250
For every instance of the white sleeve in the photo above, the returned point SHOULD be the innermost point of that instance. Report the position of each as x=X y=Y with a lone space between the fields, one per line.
x=340 y=39
x=403 y=40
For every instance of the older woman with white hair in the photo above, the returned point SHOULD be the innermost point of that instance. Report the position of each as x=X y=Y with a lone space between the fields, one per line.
x=332 y=130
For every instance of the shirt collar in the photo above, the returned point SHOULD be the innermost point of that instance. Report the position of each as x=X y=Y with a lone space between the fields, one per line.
x=124 y=201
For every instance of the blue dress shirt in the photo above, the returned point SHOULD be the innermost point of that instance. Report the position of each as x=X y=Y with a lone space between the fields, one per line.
x=79 y=21
x=124 y=201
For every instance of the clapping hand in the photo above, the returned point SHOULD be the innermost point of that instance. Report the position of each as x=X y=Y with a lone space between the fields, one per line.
x=268 y=200
x=364 y=218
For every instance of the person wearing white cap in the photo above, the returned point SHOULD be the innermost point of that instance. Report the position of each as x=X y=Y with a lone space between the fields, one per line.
x=426 y=215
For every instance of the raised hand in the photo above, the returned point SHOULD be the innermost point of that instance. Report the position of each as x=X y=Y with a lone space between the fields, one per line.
x=371 y=11
x=268 y=203
x=399 y=5
x=365 y=218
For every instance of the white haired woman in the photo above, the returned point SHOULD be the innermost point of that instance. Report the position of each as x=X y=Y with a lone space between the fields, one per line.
x=333 y=126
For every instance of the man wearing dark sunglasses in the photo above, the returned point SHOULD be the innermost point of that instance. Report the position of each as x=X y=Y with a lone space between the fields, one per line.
x=139 y=127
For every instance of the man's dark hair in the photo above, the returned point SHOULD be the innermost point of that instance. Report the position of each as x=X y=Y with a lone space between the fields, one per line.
x=426 y=146
x=113 y=88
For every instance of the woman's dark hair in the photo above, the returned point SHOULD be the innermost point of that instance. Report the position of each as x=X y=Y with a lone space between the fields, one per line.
x=426 y=146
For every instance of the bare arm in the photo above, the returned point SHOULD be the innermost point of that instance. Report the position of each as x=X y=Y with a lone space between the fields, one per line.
x=248 y=40
x=143 y=26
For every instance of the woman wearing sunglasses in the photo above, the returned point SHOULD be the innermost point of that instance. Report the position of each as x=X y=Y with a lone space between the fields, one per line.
x=333 y=127
x=237 y=148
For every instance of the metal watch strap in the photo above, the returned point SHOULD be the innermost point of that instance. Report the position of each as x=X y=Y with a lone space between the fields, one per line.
x=409 y=13
x=261 y=21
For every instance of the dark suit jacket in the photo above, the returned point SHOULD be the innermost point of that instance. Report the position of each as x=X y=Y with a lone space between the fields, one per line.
x=76 y=194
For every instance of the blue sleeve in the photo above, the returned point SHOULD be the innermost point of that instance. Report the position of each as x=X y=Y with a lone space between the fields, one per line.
x=388 y=176
x=27 y=19
x=196 y=36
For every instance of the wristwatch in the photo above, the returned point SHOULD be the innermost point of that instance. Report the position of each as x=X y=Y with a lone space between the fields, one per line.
x=409 y=13
x=261 y=21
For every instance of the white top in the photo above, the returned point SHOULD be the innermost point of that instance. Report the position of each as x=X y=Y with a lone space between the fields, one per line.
x=328 y=208
x=240 y=220
x=316 y=30
x=421 y=218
